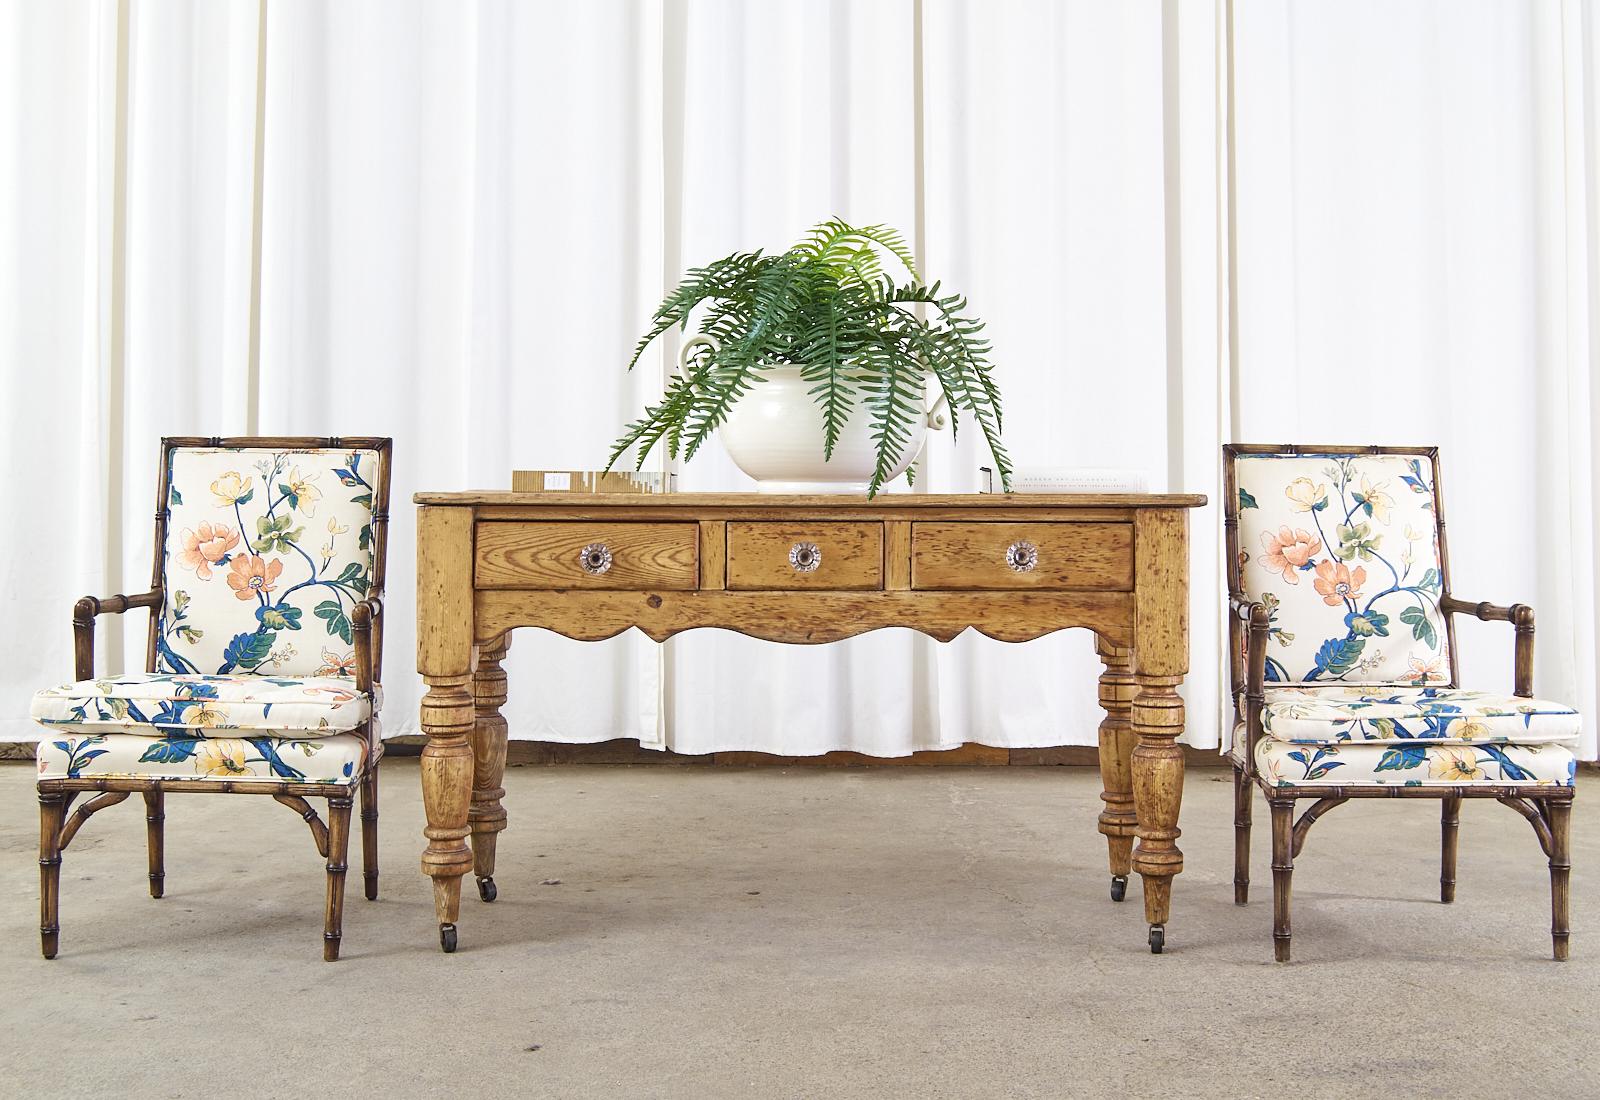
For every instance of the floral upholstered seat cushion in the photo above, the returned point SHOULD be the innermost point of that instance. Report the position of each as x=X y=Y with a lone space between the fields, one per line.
x=202 y=706
x=1427 y=764
x=266 y=553
x=1307 y=715
x=340 y=758
x=1344 y=552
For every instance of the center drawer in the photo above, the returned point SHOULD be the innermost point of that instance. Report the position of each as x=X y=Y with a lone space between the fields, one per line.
x=831 y=555
x=587 y=555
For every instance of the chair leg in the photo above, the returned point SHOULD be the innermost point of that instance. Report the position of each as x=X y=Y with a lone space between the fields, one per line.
x=1243 y=792
x=52 y=808
x=1282 y=871
x=1449 y=830
x=155 y=816
x=338 y=851
x=1560 y=816
x=369 y=833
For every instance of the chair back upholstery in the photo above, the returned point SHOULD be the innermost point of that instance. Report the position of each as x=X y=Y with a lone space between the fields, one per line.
x=263 y=546
x=1345 y=547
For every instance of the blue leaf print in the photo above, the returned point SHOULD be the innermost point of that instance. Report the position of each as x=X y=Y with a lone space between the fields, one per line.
x=1508 y=769
x=1414 y=478
x=269 y=753
x=1365 y=624
x=170 y=750
x=1317 y=765
x=1337 y=657
x=247 y=651
x=1403 y=759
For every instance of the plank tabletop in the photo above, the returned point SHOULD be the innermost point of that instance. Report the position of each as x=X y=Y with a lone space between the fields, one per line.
x=831 y=501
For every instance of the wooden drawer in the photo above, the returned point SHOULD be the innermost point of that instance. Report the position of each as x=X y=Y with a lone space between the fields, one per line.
x=621 y=555
x=836 y=556
x=1064 y=555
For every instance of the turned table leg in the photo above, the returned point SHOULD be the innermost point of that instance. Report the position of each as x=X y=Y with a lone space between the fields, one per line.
x=488 y=815
x=1161 y=658
x=1118 y=819
x=1157 y=792
x=447 y=719
x=444 y=658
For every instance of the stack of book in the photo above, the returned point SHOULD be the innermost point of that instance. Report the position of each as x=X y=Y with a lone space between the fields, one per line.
x=1068 y=479
x=591 y=481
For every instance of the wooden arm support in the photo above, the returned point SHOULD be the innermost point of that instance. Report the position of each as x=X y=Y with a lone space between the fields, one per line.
x=1520 y=616
x=368 y=656
x=1256 y=620
x=84 y=613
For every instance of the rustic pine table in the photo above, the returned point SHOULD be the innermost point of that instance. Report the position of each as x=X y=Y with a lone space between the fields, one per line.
x=801 y=569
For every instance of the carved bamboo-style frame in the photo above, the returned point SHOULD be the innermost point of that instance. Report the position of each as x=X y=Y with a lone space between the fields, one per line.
x=1548 y=810
x=56 y=796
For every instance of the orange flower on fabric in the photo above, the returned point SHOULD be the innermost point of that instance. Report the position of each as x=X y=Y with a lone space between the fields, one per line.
x=1288 y=551
x=1336 y=583
x=335 y=665
x=249 y=576
x=1424 y=671
x=206 y=545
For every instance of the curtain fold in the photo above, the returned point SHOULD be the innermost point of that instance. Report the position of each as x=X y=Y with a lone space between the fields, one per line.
x=1414 y=265
x=60 y=318
x=449 y=223
x=457 y=246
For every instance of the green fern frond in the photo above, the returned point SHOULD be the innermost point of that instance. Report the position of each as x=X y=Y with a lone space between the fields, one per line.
x=827 y=306
x=837 y=244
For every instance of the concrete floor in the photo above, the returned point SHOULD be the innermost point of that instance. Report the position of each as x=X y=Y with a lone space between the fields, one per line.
x=937 y=932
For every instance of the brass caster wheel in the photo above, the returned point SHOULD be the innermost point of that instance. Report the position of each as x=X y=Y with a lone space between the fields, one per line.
x=447 y=938
x=1119 y=887
x=1158 y=938
x=486 y=889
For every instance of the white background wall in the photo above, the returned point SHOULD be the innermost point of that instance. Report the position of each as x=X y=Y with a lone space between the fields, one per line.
x=449 y=222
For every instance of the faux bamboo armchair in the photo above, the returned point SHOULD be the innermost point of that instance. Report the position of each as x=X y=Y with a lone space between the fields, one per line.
x=1343 y=664
x=264 y=660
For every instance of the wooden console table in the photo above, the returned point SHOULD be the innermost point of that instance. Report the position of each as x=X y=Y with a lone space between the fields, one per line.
x=801 y=569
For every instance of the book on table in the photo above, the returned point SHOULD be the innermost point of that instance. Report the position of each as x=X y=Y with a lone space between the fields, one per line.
x=592 y=481
x=1068 y=479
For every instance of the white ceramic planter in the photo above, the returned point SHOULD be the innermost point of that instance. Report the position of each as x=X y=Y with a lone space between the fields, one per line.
x=774 y=434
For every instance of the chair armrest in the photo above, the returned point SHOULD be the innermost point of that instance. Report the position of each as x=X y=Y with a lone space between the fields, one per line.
x=1520 y=616
x=362 y=617
x=1252 y=617
x=84 y=613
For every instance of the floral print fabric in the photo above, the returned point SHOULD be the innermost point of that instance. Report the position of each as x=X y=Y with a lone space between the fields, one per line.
x=1444 y=715
x=1343 y=550
x=266 y=552
x=204 y=706
x=1284 y=764
x=340 y=758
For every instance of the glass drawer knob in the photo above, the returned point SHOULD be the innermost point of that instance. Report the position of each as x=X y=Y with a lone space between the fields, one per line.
x=1022 y=556
x=595 y=558
x=805 y=557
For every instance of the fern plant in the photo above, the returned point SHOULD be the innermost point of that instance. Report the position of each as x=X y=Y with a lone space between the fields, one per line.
x=827 y=306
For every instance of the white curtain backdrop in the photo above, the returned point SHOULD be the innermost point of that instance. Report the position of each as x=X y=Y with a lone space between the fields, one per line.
x=1416 y=247
x=449 y=222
